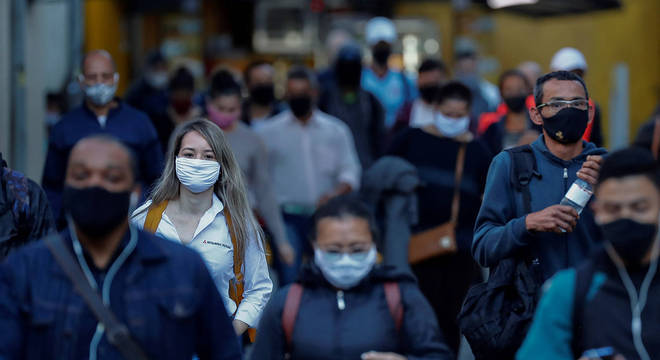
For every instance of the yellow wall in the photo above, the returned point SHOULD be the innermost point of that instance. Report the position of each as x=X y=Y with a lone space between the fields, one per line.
x=630 y=35
x=104 y=30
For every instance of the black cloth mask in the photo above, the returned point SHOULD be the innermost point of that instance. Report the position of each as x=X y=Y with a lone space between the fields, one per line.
x=95 y=210
x=631 y=239
x=348 y=73
x=263 y=94
x=381 y=54
x=428 y=92
x=515 y=103
x=567 y=126
x=300 y=105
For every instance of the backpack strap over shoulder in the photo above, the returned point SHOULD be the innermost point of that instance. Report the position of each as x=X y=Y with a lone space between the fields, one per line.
x=393 y=297
x=523 y=169
x=290 y=312
x=583 y=278
x=154 y=215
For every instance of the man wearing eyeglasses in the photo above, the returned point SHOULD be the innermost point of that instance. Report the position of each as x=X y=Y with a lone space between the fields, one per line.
x=100 y=113
x=551 y=237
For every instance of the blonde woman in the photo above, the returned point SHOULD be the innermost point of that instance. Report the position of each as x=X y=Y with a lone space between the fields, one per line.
x=201 y=201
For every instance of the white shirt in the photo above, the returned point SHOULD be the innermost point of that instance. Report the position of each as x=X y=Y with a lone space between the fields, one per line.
x=211 y=239
x=309 y=160
x=421 y=114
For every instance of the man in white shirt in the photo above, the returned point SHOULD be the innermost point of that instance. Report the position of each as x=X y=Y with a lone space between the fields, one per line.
x=312 y=158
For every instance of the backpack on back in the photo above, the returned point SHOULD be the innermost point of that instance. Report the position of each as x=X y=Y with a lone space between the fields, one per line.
x=292 y=305
x=496 y=314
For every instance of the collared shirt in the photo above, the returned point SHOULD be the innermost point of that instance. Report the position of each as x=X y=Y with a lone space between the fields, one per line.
x=421 y=114
x=309 y=160
x=212 y=240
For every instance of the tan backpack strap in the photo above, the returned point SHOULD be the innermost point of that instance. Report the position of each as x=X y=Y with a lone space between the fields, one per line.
x=458 y=177
x=154 y=215
x=655 y=145
x=238 y=260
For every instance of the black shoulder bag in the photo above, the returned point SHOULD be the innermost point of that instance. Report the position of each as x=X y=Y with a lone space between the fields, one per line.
x=117 y=333
x=496 y=314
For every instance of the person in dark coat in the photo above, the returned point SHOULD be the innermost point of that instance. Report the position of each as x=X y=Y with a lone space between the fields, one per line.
x=343 y=312
x=644 y=136
x=433 y=149
x=359 y=109
x=100 y=113
x=25 y=214
x=149 y=93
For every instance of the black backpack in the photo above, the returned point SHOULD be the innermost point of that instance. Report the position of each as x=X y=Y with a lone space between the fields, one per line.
x=496 y=314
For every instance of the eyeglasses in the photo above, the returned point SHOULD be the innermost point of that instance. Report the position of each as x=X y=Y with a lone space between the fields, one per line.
x=555 y=106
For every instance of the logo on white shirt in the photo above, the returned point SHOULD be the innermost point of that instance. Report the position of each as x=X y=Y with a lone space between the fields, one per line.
x=216 y=243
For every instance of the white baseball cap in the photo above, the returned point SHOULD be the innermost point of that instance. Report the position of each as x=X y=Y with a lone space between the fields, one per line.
x=568 y=59
x=380 y=29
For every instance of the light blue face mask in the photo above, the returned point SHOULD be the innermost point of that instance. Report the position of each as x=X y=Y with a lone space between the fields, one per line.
x=101 y=94
x=451 y=127
x=345 y=270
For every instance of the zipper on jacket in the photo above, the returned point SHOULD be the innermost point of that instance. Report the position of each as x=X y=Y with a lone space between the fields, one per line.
x=565 y=173
x=341 y=304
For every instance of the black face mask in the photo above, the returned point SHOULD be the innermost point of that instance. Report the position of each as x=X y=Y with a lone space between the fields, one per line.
x=427 y=92
x=95 y=210
x=300 y=105
x=348 y=73
x=263 y=94
x=381 y=54
x=631 y=239
x=567 y=126
x=515 y=103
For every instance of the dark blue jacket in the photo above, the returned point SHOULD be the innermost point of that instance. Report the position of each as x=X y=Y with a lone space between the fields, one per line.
x=125 y=123
x=163 y=293
x=500 y=230
x=324 y=332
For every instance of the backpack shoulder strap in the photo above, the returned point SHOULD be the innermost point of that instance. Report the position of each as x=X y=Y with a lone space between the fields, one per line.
x=238 y=260
x=522 y=170
x=393 y=297
x=583 y=278
x=290 y=312
x=154 y=215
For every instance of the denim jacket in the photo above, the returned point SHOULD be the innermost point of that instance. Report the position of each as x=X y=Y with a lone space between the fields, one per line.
x=163 y=293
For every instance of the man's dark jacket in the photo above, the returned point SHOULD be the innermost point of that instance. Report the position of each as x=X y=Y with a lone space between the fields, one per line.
x=130 y=126
x=500 y=230
x=163 y=293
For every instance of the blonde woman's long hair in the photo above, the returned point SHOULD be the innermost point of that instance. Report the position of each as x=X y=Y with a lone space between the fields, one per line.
x=230 y=187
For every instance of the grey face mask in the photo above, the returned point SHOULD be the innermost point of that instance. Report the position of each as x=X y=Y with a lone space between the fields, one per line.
x=100 y=94
x=345 y=270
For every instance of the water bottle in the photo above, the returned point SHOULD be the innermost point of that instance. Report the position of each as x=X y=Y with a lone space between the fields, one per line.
x=578 y=195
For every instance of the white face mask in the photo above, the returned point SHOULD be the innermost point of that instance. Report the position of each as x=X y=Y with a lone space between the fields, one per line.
x=157 y=79
x=197 y=175
x=345 y=270
x=101 y=94
x=451 y=127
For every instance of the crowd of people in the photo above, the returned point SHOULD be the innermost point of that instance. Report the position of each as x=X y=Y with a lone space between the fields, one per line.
x=362 y=215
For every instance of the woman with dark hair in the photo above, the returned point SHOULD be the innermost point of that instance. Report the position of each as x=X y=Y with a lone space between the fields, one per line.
x=452 y=167
x=223 y=107
x=345 y=305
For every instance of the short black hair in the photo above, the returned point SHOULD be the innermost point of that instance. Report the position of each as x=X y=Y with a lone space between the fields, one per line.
x=513 y=72
x=431 y=65
x=223 y=83
x=251 y=66
x=453 y=90
x=301 y=72
x=628 y=162
x=348 y=205
x=557 y=75
x=182 y=79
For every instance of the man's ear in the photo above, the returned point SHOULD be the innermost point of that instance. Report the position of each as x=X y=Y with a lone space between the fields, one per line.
x=535 y=115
